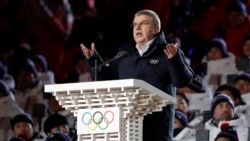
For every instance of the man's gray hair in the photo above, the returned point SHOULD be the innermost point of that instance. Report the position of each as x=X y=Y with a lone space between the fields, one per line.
x=152 y=14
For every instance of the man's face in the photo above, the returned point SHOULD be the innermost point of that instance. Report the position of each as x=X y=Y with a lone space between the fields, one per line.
x=144 y=29
x=23 y=129
x=223 y=111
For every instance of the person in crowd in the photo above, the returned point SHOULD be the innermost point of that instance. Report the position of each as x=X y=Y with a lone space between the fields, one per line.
x=150 y=58
x=45 y=75
x=242 y=83
x=216 y=50
x=223 y=110
x=182 y=102
x=243 y=62
x=22 y=126
x=55 y=123
x=238 y=23
x=55 y=108
x=234 y=94
x=181 y=129
x=193 y=116
x=17 y=55
x=217 y=63
x=7 y=100
x=227 y=133
x=29 y=90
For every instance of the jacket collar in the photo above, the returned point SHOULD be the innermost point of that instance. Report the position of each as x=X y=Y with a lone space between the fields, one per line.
x=158 y=44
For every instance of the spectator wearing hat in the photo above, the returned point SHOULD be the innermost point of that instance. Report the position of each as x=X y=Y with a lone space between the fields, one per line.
x=7 y=100
x=227 y=133
x=243 y=62
x=181 y=129
x=223 y=110
x=59 y=136
x=22 y=127
x=55 y=123
x=238 y=23
x=45 y=75
x=242 y=83
x=234 y=94
x=217 y=62
x=28 y=90
x=55 y=109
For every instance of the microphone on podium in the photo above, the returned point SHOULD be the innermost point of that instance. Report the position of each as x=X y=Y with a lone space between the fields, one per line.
x=119 y=55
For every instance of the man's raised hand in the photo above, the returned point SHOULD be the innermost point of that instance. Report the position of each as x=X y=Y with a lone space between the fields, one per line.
x=88 y=52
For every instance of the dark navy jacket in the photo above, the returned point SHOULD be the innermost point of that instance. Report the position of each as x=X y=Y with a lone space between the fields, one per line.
x=153 y=67
x=156 y=69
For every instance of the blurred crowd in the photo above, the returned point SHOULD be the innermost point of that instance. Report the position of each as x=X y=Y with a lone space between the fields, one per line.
x=40 y=41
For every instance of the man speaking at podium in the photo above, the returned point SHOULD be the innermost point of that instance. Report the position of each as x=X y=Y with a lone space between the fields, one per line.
x=149 y=58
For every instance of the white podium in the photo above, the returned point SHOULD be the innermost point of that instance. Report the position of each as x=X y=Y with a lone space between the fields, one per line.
x=110 y=110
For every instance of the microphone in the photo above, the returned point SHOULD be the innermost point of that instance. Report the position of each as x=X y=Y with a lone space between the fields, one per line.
x=119 y=55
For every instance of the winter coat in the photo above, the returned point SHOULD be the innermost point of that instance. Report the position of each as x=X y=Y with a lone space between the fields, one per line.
x=153 y=67
x=245 y=110
x=240 y=123
x=156 y=69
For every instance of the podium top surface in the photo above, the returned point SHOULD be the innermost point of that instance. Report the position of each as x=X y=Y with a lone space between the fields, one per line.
x=124 y=85
x=134 y=97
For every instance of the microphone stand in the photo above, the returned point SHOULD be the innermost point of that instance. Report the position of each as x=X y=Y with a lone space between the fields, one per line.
x=95 y=75
x=98 y=68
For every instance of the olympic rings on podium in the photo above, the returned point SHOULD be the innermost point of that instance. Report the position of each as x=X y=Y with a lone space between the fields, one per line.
x=98 y=119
